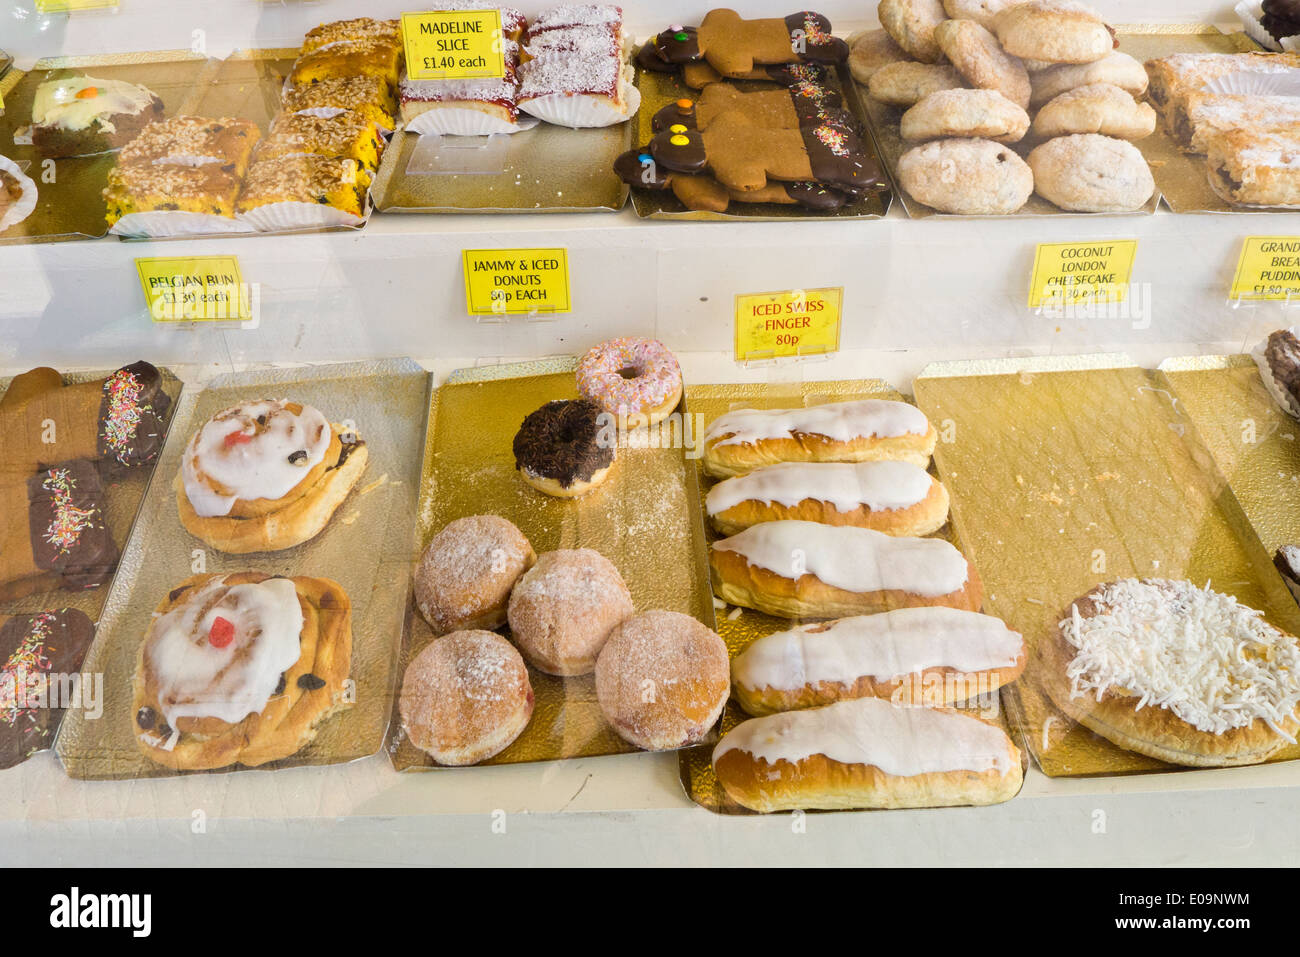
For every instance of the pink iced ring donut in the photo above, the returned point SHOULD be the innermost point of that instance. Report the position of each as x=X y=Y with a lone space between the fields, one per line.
x=632 y=376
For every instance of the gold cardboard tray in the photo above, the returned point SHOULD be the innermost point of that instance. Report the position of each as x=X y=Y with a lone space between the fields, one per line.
x=1254 y=443
x=248 y=84
x=367 y=548
x=645 y=518
x=740 y=626
x=1183 y=180
x=1065 y=473
x=548 y=169
x=1141 y=41
x=661 y=89
x=122 y=499
x=71 y=207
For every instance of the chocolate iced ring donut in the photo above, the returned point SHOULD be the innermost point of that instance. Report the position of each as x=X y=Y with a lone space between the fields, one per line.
x=566 y=448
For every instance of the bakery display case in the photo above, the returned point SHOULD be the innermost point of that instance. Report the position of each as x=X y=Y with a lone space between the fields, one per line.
x=686 y=434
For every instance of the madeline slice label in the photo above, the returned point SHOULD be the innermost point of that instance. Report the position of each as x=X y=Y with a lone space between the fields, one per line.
x=787 y=324
x=509 y=282
x=196 y=289
x=454 y=45
x=1073 y=273
x=1268 y=270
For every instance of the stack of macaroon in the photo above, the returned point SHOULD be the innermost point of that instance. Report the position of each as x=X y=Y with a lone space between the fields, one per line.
x=826 y=509
x=982 y=80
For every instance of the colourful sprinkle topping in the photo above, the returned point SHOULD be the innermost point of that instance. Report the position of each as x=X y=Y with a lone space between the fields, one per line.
x=69 y=521
x=832 y=139
x=122 y=421
x=29 y=658
x=813 y=31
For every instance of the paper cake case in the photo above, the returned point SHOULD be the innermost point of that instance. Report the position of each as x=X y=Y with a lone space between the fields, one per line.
x=1256 y=83
x=291 y=216
x=173 y=224
x=329 y=112
x=26 y=202
x=1259 y=354
x=458 y=121
x=1251 y=14
x=584 y=112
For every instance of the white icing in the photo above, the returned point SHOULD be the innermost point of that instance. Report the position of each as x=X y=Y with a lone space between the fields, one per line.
x=886 y=646
x=56 y=102
x=1202 y=655
x=880 y=486
x=217 y=474
x=853 y=559
x=901 y=741
x=838 y=421
x=195 y=679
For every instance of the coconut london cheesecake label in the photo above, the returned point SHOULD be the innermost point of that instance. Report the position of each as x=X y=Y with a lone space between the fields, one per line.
x=1074 y=273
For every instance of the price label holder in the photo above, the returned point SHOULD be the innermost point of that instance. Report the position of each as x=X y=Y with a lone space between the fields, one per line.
x=1268 y=271
x=1069 y=275
x=74 y=6
x=792 y=324
x=207 y=290
x=532 y=283
x=454 y=45
x=438 y=155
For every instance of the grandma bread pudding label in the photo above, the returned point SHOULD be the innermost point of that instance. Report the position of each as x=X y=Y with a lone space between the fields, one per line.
x=1073 y=273
x=71 y=6
x=1268 y=270
x=195 y=289
x=782 y=325
x=503 y=282
x=454 y=45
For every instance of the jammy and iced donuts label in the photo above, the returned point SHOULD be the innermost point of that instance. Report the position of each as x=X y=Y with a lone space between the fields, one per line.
x=787 y=324
x=514 y=282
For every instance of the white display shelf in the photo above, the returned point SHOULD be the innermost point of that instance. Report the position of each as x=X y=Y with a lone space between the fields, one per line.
x=396 y=287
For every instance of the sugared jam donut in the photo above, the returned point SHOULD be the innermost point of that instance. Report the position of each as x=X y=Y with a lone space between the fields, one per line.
x=466 y=573
x=662 y=680
x=466 y=697
x=566 y=448
x=563 y=609
x=636 y=379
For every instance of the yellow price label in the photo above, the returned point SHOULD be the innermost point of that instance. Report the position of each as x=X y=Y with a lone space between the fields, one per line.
x=72 y=6
x=1268 y=270
x=795 y=322
x=453 y=44
x=195 y=289
x=503 y=282
x=1074 y=273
